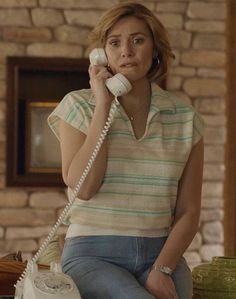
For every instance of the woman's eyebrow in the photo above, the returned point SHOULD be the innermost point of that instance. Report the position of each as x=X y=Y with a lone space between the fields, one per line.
x=118 y=35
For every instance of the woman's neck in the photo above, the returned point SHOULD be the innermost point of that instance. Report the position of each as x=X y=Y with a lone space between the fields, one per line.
x=139 y=96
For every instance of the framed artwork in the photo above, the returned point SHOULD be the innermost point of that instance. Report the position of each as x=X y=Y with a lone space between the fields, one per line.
x=42 y=147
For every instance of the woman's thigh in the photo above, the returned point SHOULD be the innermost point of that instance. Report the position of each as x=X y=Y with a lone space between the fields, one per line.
x=97 y=279
x=94 y=266
x=182 y=277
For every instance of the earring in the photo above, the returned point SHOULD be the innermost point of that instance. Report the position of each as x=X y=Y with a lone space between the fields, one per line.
x=155 y=57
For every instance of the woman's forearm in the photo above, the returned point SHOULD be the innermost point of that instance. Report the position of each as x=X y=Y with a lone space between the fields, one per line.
x=179 y=239
x=82 y=156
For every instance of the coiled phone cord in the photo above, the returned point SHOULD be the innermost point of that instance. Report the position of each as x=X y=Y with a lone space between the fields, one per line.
x=65 y=212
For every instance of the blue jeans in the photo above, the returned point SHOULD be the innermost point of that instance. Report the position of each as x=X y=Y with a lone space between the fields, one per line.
x=117 y=267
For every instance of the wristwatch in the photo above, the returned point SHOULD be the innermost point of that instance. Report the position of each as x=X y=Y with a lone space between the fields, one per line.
x=163 y=269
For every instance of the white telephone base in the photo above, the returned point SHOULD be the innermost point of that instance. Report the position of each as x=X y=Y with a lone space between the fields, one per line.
x=47 y=284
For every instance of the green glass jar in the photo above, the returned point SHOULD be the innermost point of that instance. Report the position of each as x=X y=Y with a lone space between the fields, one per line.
x=215 y=280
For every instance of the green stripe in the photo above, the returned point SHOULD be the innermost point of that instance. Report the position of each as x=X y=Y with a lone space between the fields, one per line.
x=126 y=134
x=144 y=161
x=125 y=211
x=122 y=182
x=171 y=123
x=136 y=177
x=137 y=194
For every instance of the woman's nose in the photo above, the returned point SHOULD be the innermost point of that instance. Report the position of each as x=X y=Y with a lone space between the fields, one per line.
x=127 y=50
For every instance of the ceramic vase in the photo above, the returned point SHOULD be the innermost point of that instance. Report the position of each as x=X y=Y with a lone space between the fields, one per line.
x=215 y=280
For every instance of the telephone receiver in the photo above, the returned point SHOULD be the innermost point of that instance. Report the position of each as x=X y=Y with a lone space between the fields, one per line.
x=118 y=85
x=49 y=284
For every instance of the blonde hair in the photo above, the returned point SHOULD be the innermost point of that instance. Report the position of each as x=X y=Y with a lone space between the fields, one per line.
x=161 y=63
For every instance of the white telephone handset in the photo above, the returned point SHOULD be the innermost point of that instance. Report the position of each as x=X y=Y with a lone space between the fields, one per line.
x=118 y=84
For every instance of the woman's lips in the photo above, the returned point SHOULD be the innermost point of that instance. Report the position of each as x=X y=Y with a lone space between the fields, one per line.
x=128 y=65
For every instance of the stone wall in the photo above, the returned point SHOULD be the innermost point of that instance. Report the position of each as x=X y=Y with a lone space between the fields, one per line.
x=58 y=28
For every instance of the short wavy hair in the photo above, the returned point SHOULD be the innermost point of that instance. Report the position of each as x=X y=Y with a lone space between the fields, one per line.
x=98 y=36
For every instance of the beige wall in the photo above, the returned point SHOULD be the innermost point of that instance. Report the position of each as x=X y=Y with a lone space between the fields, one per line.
x=59 y=28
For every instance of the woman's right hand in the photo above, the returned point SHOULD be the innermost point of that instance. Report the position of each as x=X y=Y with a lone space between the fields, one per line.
x=98 y=75
x=161 y=286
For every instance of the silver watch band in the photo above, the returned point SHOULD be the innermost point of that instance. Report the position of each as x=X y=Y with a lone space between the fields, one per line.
x=163 y=269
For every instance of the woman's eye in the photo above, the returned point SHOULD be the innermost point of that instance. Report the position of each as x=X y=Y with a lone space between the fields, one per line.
x=114 y=43
x=138 y=41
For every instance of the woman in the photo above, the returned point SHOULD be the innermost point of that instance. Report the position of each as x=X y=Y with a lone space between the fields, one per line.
x=138 y=209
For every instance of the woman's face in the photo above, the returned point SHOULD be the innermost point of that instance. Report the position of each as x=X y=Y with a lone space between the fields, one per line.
x=129 y=48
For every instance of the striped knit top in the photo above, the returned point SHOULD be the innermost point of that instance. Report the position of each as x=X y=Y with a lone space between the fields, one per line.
x=139 y=189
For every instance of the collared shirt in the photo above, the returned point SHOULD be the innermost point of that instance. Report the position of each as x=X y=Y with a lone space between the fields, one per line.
x=139 y=189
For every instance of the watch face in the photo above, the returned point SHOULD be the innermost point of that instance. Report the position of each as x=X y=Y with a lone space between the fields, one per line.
x=165 y=270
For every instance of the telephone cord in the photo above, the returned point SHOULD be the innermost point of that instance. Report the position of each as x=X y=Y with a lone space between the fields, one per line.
x=76 y=190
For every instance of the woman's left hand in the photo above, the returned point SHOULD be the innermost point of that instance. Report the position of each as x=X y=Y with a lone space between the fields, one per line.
x=161 y=286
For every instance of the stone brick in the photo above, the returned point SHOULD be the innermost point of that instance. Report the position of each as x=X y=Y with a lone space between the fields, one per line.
x=171 y=20
x=203 y=58
x=192 y=257
x=211 y=215
x=215 y=136
x=212 y=72
x=98 y=4
x=171 y=7
x=207 y=252
x=214 y=172
x=209 y=41
x=55 y=50
x=2 y=71
x=176 y=60
x=182 y=96
x=46 y=17
x=213 y=232
x=11 y=246
x=173 y=82
x=212 y=189
x=47 y=200
x=26 y=232
x=1 y=232
x=210 y=105
x=212 y=203
x=214 y=153
x=196 y=242
x=13 y=198
x=17 y=3
x=27 y=35
x=15 y=17
x=76 y=17
x=204 y=87
x=183 y=71
x=204 y=10
x=10 y=49
x=205 y=26
x=179 y=39
x=71 y=34
x=23 y=217
x=2 y=89
x=215 y=120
